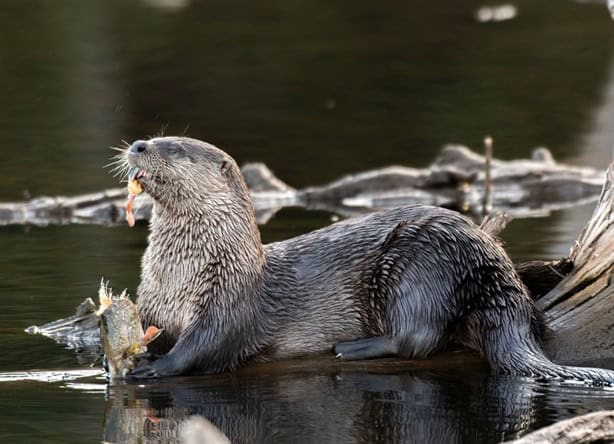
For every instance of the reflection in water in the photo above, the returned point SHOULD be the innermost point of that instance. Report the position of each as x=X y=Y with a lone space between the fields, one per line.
x=167 y=5
x=499 y=13
x=345 y=407
x=198 y=430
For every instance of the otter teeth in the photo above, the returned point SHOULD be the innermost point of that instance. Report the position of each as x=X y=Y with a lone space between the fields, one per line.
x=135 y=173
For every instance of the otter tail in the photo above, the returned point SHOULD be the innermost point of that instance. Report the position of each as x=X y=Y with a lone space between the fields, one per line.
x=518 y=351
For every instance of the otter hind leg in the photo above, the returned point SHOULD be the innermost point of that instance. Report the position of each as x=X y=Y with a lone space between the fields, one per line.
x=416 y=280
x=366 y=348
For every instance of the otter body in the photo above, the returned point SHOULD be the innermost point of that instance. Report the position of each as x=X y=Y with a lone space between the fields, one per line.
x=404 y=282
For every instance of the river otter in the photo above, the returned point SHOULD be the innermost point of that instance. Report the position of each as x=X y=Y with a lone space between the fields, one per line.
x=403 y=282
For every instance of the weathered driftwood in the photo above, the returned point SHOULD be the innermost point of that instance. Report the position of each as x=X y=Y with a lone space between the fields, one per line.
x=577 y=293
x=86 y=208
x=457 y=179
x=74 y=327
x=79 y=332
x=591 y=428
x=580 y=309
x=527 y=187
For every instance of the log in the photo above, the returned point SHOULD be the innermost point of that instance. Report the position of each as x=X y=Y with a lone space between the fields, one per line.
x=576 y=293
x=540 y=277
x=580 y=309
x=456 y=179
x=584 y=429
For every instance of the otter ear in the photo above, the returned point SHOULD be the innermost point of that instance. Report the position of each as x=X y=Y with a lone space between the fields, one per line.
x=225 y=168
x=228 y=171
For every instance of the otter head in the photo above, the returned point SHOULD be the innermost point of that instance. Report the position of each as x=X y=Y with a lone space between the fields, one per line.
x=187 y=175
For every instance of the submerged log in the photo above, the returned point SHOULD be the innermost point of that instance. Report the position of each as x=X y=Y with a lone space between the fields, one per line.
x=527 y=187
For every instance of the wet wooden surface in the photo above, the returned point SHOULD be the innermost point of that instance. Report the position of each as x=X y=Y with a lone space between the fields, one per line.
x=580 y=309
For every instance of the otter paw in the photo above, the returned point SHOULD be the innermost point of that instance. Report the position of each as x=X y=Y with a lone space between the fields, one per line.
x=149 y=367
x=145 y=369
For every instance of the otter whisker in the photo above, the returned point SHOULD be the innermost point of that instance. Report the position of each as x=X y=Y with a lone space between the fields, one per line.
x=121 y=172
x=115 y=168
x=162 y=130
x=122 y=175
x=118 y=159
x=122 y=148
x=119 y=165
x=160 y=174
x=185 y=130
x=116 y=165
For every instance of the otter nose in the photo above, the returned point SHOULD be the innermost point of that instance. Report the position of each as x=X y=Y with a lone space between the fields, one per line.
x=138 y=147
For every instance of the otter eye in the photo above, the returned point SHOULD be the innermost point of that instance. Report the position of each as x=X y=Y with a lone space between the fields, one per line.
x=172 y=151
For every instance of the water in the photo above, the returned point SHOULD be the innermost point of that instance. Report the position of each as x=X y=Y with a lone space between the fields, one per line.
x=315 y=90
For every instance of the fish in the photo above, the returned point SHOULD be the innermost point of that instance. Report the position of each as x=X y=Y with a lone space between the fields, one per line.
x=123 y=338
x=134 y=189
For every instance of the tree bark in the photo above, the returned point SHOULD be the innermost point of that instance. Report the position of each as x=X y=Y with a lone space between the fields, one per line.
x=580 y=309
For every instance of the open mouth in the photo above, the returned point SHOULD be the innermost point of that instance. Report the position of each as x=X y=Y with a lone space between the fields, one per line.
x=135 y=173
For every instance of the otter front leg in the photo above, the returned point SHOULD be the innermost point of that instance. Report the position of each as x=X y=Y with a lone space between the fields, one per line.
x=176 y=362
x=367 y=348
x=204 y=347
x=149 y=367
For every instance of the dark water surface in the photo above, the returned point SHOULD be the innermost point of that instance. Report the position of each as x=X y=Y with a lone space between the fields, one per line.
x=314 y=89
